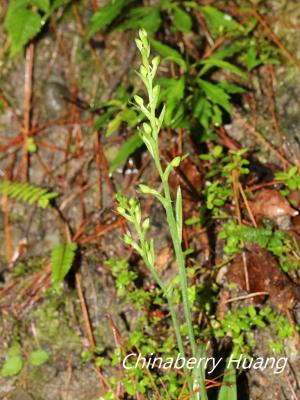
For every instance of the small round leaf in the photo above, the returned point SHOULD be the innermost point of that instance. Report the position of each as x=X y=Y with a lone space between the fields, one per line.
x=38 y=357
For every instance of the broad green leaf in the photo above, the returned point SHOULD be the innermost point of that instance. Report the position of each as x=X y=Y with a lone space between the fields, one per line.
x=211 y=62
x=15 y=5
x=62 y=257
x=147 y=18
x=181 y=20
x=105 y=16
x=22 y=25
x=228 y=389
x=168 y=53
x=216 y=94
x=12 y=366
x=219 y=22
x=38 y=357
x=131 y=144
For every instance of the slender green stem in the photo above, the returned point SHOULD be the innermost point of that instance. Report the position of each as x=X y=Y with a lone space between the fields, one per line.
x=149 y=134
x=178 y=253
x=174 y=320
x=181 y=265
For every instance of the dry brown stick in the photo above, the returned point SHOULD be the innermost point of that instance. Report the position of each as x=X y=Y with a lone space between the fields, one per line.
x=247 y=205
x=275 y=38
x=72 y=196
x=8 y=286
x=290 y=386
x=105 y=168
x=68 y=379
x=27 y=109
x=98 y=174
x=235 y=184
x=262 y=185
x=88 y=327
x=100 y=232
x=81 y=197
x=85 y=313
x=248 y=296
x=8 y=239
x=272 y=100
x=84 y=33
x=6 y=215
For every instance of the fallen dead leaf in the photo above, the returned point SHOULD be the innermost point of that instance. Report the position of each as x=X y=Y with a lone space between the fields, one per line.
x=264 y=276
x=269 y=203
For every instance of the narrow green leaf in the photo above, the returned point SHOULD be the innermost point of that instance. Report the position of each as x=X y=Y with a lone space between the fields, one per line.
x=228 y=389
x=173 y=164
x=199 y=371
x=61 y=261
x=100 y=121
x=179 y=212
x=131 y=144
x=148 y=190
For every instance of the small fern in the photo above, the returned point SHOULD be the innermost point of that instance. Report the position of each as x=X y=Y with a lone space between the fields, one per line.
x=27 y=193
x=62 y=258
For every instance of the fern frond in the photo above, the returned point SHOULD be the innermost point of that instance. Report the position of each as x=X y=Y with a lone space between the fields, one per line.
x=62 y=258
x=27 y=193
